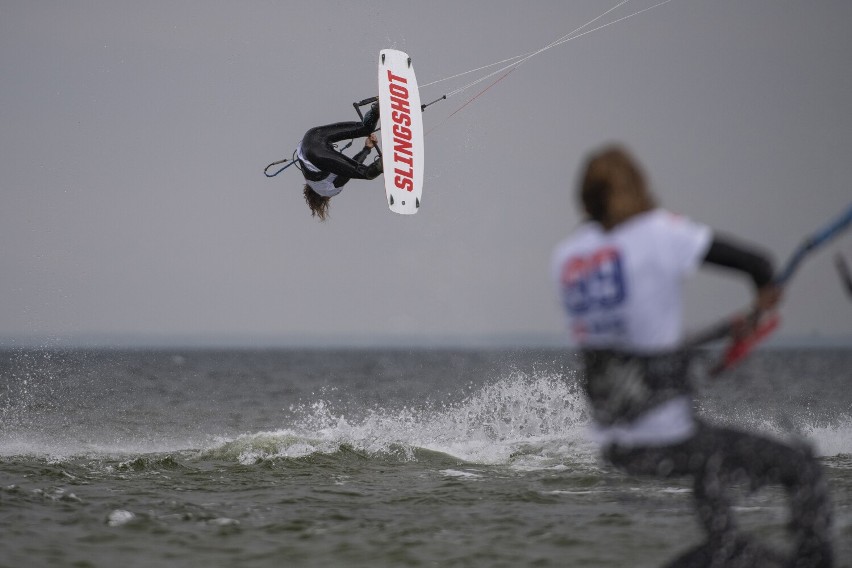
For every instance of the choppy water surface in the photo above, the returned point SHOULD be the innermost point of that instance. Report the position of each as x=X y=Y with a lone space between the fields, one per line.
x=365 y=458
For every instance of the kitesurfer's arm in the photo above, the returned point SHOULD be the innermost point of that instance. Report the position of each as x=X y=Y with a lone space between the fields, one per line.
x=725 y=252
x=362 y=154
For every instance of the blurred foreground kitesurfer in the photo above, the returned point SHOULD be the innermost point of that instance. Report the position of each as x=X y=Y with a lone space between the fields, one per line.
x=619 y=277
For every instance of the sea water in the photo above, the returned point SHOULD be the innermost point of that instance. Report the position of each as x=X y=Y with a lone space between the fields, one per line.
x=369 y=457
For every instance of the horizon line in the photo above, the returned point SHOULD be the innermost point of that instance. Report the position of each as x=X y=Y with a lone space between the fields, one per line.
x=346 y=340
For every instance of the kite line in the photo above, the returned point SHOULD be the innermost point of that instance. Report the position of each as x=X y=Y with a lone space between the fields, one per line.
x=516 y=61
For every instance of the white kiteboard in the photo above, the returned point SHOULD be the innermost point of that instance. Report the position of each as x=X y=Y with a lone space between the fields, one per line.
x=402 y=131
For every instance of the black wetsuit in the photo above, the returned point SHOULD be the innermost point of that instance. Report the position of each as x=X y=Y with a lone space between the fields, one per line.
x=317 y=147
x=715 y=457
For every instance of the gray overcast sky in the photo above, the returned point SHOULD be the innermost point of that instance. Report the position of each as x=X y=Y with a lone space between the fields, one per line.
x=134 y=135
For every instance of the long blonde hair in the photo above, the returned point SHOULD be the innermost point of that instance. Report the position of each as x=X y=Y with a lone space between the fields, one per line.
x=318 y=203
x=613 y=188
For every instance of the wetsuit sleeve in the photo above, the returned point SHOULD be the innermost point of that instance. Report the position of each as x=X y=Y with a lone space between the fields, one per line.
x=359 y=157
x=725 y=252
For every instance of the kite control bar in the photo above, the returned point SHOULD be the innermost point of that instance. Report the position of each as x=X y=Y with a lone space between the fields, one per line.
x=365 y=102
x=761 y=327
x=358 y=106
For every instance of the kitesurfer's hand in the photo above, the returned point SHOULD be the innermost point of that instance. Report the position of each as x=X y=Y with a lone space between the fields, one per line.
x=370 y=141
x=766 y=301
x=768 y=298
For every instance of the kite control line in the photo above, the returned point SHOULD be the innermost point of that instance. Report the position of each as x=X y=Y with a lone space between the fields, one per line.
x=813 y=242
x=510 y=64
x=762 y=325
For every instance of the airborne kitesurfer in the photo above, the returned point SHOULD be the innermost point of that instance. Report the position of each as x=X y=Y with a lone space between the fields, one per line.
x=325 y=169
x=619 y=276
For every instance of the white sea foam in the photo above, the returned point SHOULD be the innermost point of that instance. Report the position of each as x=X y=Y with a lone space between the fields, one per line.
x=522 y=419
x=831 y=440
x=119 y=517
x=460 y=474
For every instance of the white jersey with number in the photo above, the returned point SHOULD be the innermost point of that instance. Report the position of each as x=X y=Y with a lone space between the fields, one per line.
x=621 y=289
